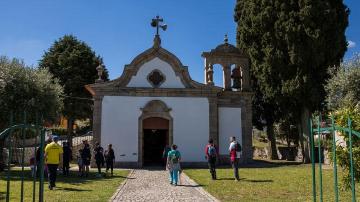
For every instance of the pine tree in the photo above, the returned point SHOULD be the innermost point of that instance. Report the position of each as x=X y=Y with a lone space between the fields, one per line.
x=74 y=63
x=291 y=45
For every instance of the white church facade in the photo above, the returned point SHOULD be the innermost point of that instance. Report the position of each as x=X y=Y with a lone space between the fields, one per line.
x=156 y=103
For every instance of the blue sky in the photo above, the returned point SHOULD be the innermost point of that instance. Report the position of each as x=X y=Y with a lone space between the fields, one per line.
x=120 y=30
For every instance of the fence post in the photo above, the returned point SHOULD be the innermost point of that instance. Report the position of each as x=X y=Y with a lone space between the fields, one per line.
x=9 y=159
x=336 y=189
x=23 y=133
x=320 y=163
x=351 y=162
x=312 y=160
x=36 y=160
x=41 y=186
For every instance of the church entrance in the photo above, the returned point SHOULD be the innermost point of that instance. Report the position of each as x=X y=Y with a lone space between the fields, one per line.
x=155 y=138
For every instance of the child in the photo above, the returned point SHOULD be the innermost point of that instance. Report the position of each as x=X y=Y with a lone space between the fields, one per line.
x=80 y=163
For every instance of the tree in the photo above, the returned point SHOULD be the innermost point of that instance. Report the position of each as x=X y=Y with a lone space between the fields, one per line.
x=343 y=98
x=26 y=89
x=264 y=116
x=343 y=89
x=291 y=45
x=74 y=63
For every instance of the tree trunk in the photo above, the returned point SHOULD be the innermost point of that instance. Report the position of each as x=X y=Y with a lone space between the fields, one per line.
x=70 y=130
x=288 y=134
x=304 y=135
x=272 y=139
x=2 y=162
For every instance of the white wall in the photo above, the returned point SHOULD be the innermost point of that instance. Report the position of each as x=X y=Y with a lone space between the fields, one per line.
x=119 y=125
x=140 y=79
x=229 y=125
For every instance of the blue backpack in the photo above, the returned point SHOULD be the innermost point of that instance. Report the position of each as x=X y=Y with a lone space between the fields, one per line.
x=211 y=151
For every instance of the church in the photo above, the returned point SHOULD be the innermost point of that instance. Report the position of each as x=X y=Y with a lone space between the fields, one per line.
x=155 y=103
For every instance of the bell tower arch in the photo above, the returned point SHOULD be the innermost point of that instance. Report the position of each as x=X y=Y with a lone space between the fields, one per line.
x=234 y=63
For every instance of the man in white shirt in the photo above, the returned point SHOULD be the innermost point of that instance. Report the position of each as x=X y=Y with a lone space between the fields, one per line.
x=234 y=157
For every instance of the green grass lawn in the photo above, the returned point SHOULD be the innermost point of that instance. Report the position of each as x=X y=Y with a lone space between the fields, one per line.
x=272 y=183
x=72 y=188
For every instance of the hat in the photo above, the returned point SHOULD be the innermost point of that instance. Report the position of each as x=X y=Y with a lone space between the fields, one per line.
x=55 y=138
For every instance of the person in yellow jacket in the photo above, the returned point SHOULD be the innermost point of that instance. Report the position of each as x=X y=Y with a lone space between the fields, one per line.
x=53 y=157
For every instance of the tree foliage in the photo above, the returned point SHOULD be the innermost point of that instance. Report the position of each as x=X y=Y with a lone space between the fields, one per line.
x=28 y=89
x=343 y=89
x=344 y=99
x=74 y=63
x=291 y=45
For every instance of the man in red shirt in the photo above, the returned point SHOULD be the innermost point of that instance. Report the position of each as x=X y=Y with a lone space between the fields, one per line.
x=234 y=157
x=211 y=153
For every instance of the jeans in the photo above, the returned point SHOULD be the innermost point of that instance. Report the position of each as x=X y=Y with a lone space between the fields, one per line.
x=110 y=164
x=52 y=171
x=174 y=176
x=212 y=164
x=99 y=164
x=235 y=166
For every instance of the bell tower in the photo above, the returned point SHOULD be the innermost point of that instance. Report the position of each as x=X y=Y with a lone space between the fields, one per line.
x=227 y=55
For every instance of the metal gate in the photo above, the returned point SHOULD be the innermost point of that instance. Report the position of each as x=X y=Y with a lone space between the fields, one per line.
x=19 y=132
x=332 y=128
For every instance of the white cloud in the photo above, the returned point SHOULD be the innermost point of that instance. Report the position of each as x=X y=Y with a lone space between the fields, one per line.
x=351 y=44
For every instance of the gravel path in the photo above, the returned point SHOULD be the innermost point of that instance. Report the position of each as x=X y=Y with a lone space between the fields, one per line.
x=153 y=185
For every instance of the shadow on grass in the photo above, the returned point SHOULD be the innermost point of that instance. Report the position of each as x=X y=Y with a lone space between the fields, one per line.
x=73 y=178
x=270 y=164
x=188 y=185
x=245 y=180
x=265 y=164
x=71 y=189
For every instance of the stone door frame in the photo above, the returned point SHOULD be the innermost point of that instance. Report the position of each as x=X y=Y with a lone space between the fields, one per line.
x=154 y=108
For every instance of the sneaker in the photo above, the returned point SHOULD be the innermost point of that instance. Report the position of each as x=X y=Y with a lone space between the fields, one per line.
x=50 y=187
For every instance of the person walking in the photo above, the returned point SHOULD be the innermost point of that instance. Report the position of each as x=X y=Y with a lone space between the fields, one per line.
x=86 y=157
x=110 y=159
x=234 y=150
x=211 y=153
x=173 y=164
x=67 y=157
x=53 y=157
x=99 y=157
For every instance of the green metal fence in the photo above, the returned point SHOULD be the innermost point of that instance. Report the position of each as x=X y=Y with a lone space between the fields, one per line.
x=19 y=131
x=319 y=129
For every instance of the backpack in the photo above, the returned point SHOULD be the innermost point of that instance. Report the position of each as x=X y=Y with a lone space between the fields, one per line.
x=211 y=151
x=174 y=158
x=238 y=147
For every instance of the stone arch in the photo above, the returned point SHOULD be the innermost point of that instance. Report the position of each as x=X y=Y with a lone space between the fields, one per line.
x=154 y=108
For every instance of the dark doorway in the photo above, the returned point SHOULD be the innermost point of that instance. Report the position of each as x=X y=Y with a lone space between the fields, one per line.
x=155 y=141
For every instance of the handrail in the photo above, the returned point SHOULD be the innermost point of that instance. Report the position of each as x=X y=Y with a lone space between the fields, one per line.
x=337 y=128
x=19 y=126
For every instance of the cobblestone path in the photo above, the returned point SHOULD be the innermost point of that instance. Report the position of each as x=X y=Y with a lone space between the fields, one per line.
x=153 y=185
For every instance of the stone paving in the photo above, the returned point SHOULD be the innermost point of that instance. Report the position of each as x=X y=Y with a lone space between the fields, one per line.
x=153 y=185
